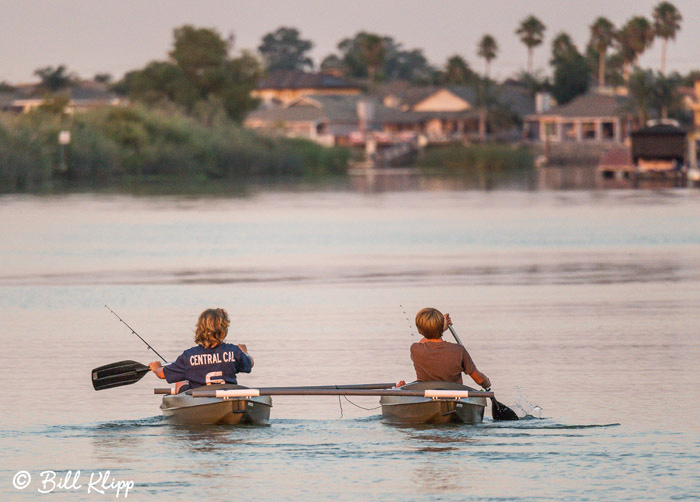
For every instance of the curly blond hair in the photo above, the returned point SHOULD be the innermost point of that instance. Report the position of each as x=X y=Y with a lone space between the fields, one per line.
x=212 y=328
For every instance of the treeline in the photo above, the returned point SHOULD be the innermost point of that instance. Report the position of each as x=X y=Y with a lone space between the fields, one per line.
x=199 y=68
x=125 y=147
x=186 y=109
x=182 y=127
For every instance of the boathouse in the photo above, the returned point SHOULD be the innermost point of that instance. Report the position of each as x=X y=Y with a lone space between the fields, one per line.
x=659 y=147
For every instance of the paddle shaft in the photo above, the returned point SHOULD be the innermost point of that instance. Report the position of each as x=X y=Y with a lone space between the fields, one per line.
x=499 y=411
x=134 y=332
x=168 y=390
x=454 y=333
x=282 y=391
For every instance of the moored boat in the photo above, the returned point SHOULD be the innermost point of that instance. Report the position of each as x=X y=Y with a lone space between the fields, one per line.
x=421 y=410
x=184 y=409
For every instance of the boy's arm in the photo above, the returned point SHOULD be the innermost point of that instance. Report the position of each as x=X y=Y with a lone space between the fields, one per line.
x=243 y=347
x=157 y=369
x=480 y=378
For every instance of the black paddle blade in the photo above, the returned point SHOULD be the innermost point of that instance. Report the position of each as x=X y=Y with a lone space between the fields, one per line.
x=118 y=374
x=500 y=411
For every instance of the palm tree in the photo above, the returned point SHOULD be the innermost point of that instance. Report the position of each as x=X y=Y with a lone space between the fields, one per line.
x=634 y=38
x=602 y=37
x=667 y=22
x=531 y=33
x=487 y=49
x=372 y=52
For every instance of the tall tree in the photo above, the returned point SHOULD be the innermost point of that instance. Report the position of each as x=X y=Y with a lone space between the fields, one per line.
x=571 y=71
x=531 y=33
x=381 y=57
x=457 y=71
x=200 y=70
x=283 y=49
x=372 y=50
x=602 y=37
x=487 y=49
x=411 y=65
x=563 y=49
x=634 y=38
x=53 y=79
x=641 y=87
x=351 y=52
x=667 y=22
x=198 y=52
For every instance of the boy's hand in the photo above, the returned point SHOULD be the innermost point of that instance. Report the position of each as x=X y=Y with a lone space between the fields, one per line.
x=448 y=322
x=243 y=347
x=400 y=383
x=155 y=366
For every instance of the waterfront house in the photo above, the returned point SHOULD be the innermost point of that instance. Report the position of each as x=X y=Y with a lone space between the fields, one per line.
x=284 y=86
x=329 y=119
x=450 y=113
x=593 y=117
x=397 y=110
x=83 y=95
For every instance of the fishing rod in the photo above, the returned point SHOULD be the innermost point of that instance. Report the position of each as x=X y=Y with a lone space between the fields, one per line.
x=134 y=332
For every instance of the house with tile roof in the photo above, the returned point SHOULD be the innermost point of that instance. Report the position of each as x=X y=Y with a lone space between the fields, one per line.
x=592 y=117
x=283 y=86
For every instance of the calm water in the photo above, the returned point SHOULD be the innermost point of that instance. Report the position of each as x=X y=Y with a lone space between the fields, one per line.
x=582 y=307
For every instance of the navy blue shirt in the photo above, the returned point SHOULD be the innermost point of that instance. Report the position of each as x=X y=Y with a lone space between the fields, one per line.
x=208 y=366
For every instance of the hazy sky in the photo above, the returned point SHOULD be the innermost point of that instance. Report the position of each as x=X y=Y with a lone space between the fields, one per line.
x=114 y=36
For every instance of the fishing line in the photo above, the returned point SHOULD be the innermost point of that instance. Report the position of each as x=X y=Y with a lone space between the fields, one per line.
x=134 y=332
x=410 y=326
x=358 y=406
x=340 y=404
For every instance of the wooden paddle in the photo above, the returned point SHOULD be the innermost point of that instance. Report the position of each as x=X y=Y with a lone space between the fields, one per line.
x=118 y=374
x=499 y=411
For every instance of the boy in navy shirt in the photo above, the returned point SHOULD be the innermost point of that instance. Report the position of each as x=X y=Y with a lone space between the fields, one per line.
x=211 y=361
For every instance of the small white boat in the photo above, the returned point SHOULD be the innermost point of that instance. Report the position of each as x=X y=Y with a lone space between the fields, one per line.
x=183 y=409
x=426 y=410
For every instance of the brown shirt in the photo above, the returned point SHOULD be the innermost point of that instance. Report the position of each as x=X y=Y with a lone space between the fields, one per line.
x=442 y=361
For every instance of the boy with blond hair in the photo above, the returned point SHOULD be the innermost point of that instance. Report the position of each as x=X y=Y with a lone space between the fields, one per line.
x=211 y=361
x=438 y=360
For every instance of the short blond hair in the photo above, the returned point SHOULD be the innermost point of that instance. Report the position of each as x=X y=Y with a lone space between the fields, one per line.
x=430 y=323
x=212 y=328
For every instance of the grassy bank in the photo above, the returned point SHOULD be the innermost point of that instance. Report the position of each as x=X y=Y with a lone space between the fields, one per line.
x=132 y=146
x=483 y=166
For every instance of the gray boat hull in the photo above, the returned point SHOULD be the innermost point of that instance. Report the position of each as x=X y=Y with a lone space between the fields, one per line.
x=183 y=409
x=421 y=410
